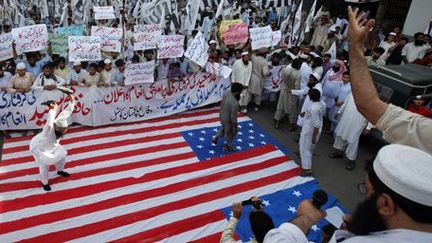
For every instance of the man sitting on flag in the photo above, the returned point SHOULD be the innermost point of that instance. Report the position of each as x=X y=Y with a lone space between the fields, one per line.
x=228 y=116
x=45 y=146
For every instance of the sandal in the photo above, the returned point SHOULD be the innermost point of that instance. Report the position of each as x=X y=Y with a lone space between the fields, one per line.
x=306 y=173
x=336 y=155
x=350 y=165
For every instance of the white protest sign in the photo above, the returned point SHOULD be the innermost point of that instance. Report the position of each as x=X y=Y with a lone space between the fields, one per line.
x=111 y=37
x=277 y=37
x=197 y=50
x=261 y=37
x=146 y=36
x=30 y=38
x=150 y=28
x=84 y=48
x=170 y=46
x=139 y=73
x=274 y=82
x=106 y=12
x=218 y=69
x=6 y=46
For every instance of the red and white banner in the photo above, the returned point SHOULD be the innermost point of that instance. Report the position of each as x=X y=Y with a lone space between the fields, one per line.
x=101 y=106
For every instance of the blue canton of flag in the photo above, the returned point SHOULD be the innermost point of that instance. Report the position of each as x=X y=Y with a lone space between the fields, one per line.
x=281 y=206
x=249 y=136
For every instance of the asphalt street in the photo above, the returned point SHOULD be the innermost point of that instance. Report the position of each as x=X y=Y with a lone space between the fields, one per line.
x=330 y=173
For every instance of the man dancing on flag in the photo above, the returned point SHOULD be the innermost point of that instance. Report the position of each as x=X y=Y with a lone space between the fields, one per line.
x=45 y=146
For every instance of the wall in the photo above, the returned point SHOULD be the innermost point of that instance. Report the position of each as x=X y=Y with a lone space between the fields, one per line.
x=419 y=15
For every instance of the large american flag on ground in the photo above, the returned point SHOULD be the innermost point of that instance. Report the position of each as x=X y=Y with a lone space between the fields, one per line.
x=158 y=180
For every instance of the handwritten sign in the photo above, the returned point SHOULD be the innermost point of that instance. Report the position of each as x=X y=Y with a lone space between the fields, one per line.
x=84 y=48
x=149 y=28
x=170 y=46
x=146 y=36
x=6 y=46
x=106 y=12
x=59 y=44
x=274 y=82
x=218 y=69
x=277 y=37
x=235 y=34
x=30 y=38
x=77 y=30
x=139 y=73
x=223 y=26
x=261 y=37
x=111 y=37
x=197 y=50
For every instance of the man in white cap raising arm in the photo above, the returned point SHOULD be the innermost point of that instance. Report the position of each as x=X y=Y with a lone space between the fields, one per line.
x=397 y=124
x=45 y=146
x=398 y=207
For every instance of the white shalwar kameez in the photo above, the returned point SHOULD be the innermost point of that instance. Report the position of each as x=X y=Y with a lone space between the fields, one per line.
x=46 y=148
x=344 y=91
x=241 y=73
x=313 y=118
x=331 y=89
x=307 y=102
x=349 y=129
x=260 y=71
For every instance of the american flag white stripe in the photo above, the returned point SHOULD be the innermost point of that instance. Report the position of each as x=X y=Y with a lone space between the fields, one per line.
x=86 y=131
x=14 y=215
x=141 y=195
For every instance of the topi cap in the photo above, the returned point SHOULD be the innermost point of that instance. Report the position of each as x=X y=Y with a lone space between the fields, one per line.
x=407 y=171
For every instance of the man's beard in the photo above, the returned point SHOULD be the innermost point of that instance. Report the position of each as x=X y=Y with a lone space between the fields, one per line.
x=245 y=63
x=418 y=42
x=237 y=96
x=366 y=218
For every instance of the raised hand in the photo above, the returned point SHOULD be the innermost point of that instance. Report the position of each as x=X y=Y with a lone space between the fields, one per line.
x=359 y=28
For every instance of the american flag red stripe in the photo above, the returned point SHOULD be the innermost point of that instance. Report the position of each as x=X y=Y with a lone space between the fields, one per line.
x=137 y=181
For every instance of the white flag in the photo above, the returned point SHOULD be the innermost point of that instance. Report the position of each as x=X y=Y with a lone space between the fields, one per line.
x=332 y=51
x=297 y=23
x=219 y=9
x=318 y=13
x=192 y=9
x=428 y=30
x=310 y=18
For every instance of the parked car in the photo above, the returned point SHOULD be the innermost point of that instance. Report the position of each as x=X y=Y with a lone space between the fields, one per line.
x=399 y=84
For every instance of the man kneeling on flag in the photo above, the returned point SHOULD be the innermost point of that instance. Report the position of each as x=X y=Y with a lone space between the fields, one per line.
x=45 y=146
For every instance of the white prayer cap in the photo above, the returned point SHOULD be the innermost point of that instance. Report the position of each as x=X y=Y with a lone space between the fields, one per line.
x=21 y=66
x=407 y=171
x=316 y=75
x=392 y=33
x=107 y=61
x=303 y=56
x=61 y=122
x=245 y=53
x=76 y=64
x=212 y=42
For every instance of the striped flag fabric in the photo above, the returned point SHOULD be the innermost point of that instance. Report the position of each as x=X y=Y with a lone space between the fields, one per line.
x=151 y=181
